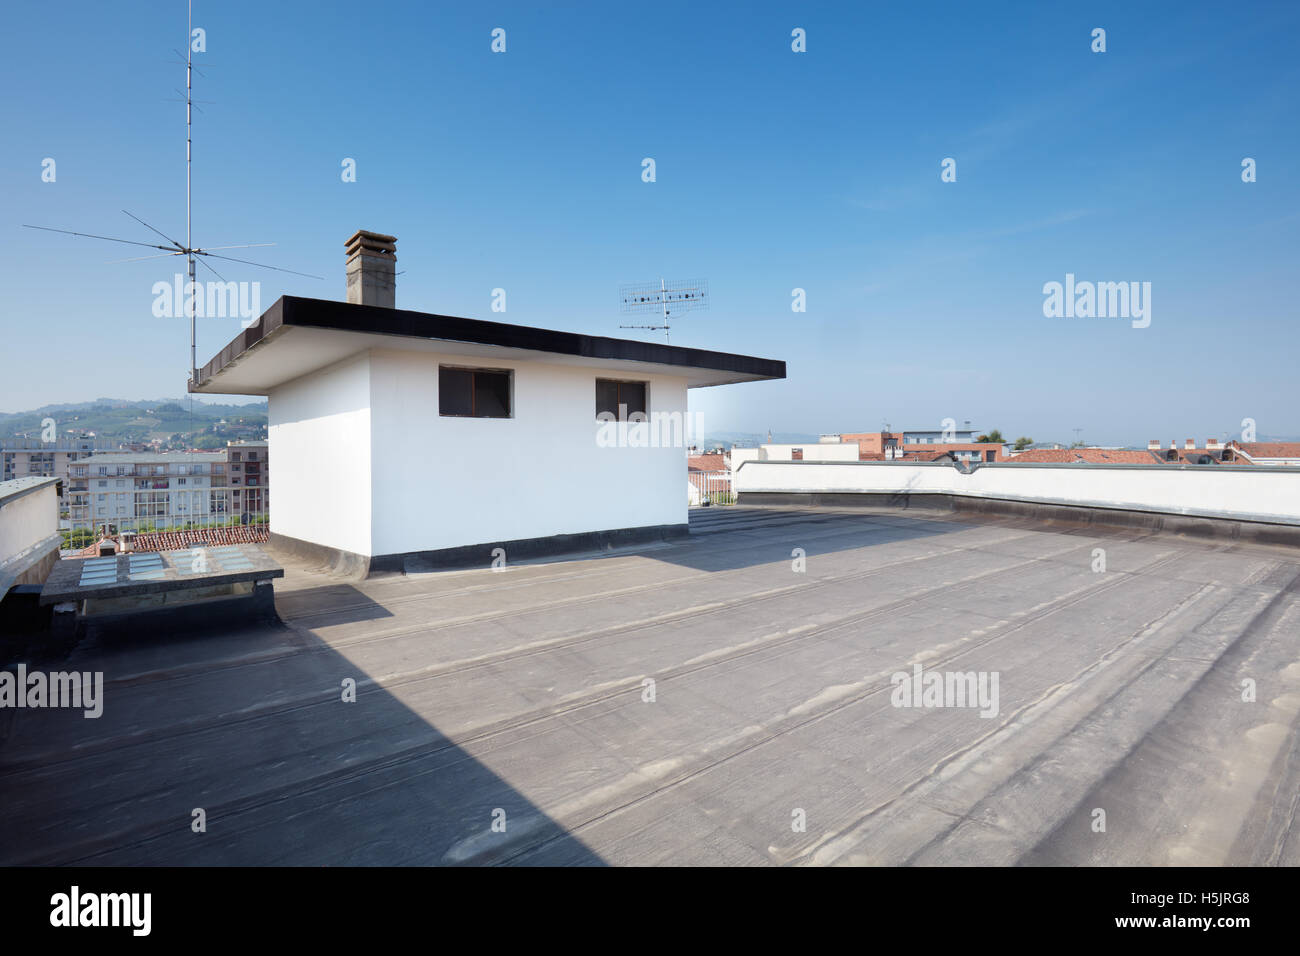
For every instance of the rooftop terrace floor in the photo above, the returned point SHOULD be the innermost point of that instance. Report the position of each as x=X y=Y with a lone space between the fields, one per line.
x=522 y=691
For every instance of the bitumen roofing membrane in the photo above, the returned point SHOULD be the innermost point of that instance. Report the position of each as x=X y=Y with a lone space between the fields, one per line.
x=782 y=687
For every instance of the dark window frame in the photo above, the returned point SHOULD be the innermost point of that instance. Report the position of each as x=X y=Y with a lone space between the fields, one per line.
x=644 y=411
x=474 y=370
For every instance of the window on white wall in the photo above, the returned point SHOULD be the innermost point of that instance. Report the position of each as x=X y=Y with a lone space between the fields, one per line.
x=474 y=392
x=619 y=399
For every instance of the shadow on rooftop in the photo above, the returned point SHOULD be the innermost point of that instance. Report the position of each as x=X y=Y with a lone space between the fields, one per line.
x=249 y=725
x=340 y=603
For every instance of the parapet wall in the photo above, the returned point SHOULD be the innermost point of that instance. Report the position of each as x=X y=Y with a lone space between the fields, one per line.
x=1261 y=503
x=29 y=531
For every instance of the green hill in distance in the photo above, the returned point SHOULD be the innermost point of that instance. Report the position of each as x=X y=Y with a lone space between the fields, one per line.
x=167 y=421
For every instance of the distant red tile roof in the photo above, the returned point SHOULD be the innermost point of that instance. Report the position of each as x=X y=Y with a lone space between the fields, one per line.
x=706 y=463
x=176 y=540
x=1271 y=449
x=1095 y=456
x=212 y=537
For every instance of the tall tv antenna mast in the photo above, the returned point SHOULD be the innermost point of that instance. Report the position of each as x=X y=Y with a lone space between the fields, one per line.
x=175 y=248
x=665 y=299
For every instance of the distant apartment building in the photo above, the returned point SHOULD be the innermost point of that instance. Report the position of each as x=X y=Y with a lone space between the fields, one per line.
x=956 y=451
x=248 y=471
x=33 y=458
x=937 y=436
x=872 y=445
x=924 y=444
x=147 y=487
x=139 y=488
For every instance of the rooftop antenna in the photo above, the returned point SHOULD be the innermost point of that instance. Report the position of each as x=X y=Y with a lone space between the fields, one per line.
x=682 y=295
x=175 y=248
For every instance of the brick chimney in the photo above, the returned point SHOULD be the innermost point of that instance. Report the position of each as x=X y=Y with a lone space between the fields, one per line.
x=372 y=261
x=1212 y=444
x=1153 y=444
x=1189 y=444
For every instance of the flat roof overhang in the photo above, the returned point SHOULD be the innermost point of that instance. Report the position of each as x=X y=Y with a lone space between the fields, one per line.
x=298 y=336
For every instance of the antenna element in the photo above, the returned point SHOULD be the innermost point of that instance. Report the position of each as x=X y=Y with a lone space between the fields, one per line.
x=665 y=298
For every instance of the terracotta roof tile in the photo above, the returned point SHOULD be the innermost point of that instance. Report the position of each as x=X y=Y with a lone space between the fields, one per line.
x=1271 y=449
x=1094 y=456
x=706 y=463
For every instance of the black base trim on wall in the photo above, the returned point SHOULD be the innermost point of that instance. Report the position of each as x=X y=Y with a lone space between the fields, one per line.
x=354 y=565
x=1231 y=529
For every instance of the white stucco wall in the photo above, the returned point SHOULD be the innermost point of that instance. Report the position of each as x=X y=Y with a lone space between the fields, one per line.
x=812 y=451
x=26 y=520
x=448 y=482
x=320 y=438
x=1246 y=492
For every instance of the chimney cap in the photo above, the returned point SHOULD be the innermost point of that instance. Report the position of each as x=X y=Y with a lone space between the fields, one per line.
x=363 y=239
x=372 y=263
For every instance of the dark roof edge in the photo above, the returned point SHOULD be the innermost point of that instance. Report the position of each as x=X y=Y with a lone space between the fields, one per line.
x=347 y=317
x=270 y=320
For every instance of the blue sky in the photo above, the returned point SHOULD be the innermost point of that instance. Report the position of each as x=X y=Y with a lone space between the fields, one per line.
x=775 y=170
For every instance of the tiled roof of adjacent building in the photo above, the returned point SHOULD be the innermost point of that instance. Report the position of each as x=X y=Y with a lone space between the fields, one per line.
x=1271 y=449
x=1096 y=456
x=706 y=463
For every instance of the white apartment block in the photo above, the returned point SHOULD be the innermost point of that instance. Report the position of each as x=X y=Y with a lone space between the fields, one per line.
x=248 y=472
x=134 y=487
x=33 y=458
